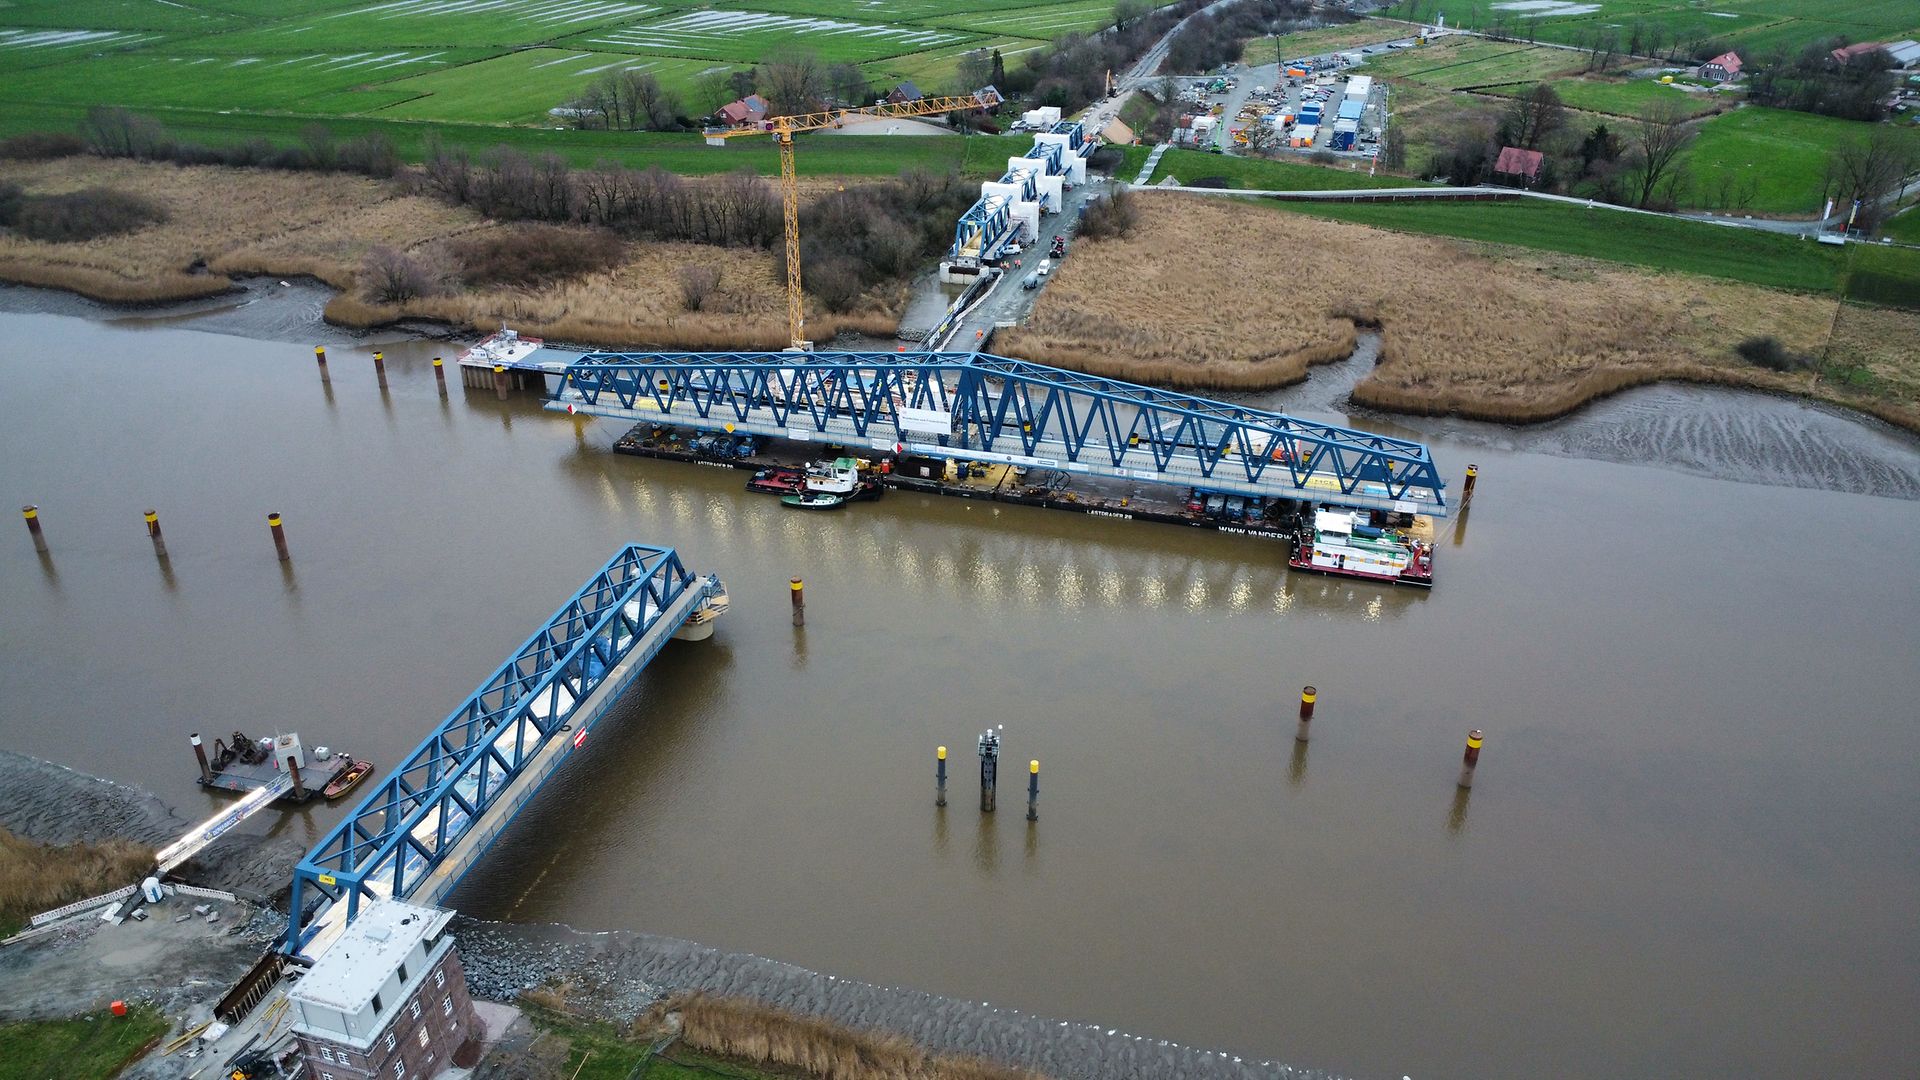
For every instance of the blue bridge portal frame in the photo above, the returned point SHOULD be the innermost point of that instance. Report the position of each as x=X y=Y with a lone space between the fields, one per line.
x=977 y=407
x=419 y=831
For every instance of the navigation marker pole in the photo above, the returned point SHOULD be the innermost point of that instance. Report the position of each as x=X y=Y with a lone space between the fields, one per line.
x=320 y=356
x=32 y=514
x=1033 y=790
x=796 y=587
x=940 y=777
x=153 y=531
x=1307 y=697
x=279 y=537
x=440 y=376
x=380 y=367
x=989 y=769
x=1471 y=758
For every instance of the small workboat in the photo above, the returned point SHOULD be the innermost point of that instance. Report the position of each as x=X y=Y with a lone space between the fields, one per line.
x=344 y=782
x=778 y=481
x=816 y=500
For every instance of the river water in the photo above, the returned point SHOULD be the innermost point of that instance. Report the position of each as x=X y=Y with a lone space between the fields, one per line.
x=1689 y=851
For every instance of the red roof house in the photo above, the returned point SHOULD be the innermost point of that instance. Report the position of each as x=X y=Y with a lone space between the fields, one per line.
x=1514 y=161
x=748 y=110
x=1848 y=52
x=1722 y=68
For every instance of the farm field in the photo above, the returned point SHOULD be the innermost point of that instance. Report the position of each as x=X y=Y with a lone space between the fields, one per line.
x=1786 y=151
x=1659 y=243
x=506 y=62
x=1457 y=63
x=1617 y=98
x=1328 y=38
x=1743 y=24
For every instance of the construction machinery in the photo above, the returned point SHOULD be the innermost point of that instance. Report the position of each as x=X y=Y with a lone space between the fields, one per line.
x=783 y=129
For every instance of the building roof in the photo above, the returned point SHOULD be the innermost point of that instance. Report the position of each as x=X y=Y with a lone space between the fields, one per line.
x=1728 y=60
x=1848 y=52
x=1904 y=53
x=365 y=954
x=1117 y=132
x=753 y=107
x=1517 y=162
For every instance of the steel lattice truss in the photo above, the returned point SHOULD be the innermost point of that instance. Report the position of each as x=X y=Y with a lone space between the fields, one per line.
x=401 y=831
x=994 y=408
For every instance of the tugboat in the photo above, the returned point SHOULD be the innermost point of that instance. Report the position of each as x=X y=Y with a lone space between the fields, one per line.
x=831 y=485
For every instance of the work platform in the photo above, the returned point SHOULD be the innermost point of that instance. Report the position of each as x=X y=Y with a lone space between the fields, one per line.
x=978 y=407
x=416 y=834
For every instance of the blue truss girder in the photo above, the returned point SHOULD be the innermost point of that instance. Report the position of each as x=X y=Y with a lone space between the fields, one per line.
x=1002 y=406
x=471 y=759
x=990 y=219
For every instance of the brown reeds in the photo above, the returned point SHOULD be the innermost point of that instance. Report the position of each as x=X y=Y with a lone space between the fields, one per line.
x=39 y=877
x=1198 y=297
x=763 y=1035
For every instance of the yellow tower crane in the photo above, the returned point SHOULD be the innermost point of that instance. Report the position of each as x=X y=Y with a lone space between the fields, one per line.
x=783 y=128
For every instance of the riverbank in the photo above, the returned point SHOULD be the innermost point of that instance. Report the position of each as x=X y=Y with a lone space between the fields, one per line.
x=226 y=223
x=1474 y=330
x=612 y=975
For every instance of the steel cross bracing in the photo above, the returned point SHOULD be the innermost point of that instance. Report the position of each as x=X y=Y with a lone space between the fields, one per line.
x=982 y=407
x=416 y=819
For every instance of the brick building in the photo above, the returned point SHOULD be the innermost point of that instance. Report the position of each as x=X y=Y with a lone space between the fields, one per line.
x=387 y=1000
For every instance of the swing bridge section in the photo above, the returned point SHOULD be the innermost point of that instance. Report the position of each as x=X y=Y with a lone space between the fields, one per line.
x=423 y=827
x=979 y=407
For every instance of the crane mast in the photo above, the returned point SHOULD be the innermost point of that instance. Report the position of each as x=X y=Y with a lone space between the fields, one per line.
x=783 y=128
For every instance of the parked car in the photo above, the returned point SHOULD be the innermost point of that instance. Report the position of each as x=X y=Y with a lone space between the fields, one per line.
x=1216 y=505
x=1045 y=268
x=1236 y=508
x=1196 y=500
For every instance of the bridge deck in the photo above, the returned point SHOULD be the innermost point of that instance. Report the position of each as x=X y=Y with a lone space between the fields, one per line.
x=424 y=827
x=987 y=408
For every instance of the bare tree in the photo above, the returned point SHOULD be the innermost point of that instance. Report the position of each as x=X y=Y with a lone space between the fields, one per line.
x=648 y=105
x=1658 y=141
x=111 y=131
x=793 y=81
x=974 y=71
x=316 y=142
x=696 y=284
x=1532 y=117
x=391 y=276
x=1126 y=12
x=849 y=84
x=449 y=171
x=1868 y=168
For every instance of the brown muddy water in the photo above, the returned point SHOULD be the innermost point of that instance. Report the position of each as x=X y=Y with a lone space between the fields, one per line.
x=1690 y=849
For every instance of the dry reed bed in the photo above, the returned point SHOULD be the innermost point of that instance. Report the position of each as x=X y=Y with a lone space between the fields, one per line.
x=258 y=221
x=40 y=877
x=1214 y=295
x=211 y=211
x=763 y=1035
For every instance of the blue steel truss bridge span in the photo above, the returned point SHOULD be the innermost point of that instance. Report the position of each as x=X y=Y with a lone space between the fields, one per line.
x=433 y=815
x=978 y=407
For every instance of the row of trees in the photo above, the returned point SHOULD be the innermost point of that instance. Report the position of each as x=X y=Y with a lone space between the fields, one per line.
x=110 y=131
x=1811 y=81
x=1071 y=73
x=1644 y=162
x=1215 y=38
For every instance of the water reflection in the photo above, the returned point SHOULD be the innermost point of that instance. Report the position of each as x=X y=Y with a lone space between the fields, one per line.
x=1457 y=813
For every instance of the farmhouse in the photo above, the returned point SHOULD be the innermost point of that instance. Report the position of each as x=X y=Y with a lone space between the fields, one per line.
x=904 y=93
x=1846 y=53
x=1722 y=68
x=748 y=110
x=1523 y=165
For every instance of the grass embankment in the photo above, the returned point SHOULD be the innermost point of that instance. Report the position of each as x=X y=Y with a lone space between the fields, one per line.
x=95 y=1048
x=1493 y=332
x=1253 y=174
x=259 y=221
x=1622 y=97
x=1904 y=229
x=1326 y=39
x=714 y=1037
x=38 y=877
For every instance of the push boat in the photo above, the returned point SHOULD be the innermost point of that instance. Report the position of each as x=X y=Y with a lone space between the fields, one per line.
x=833 y=484
x=1345 y=543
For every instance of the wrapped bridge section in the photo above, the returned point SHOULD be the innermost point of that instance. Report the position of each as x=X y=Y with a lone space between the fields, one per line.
x=422 y=828
x=977 y=407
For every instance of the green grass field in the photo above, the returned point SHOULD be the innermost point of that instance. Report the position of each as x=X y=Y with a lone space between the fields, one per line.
x=1256 y=174
x=1618 y=98
x=1787 y=151
x=91 y=1049
x=1658 y=243
x=1747 y=25
x=473 y=61
x=1905 y=228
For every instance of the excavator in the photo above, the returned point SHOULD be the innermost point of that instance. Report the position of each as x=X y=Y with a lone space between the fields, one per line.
x=783 y=129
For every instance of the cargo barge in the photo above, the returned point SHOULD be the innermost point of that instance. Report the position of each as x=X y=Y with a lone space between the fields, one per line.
x=250 y=764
